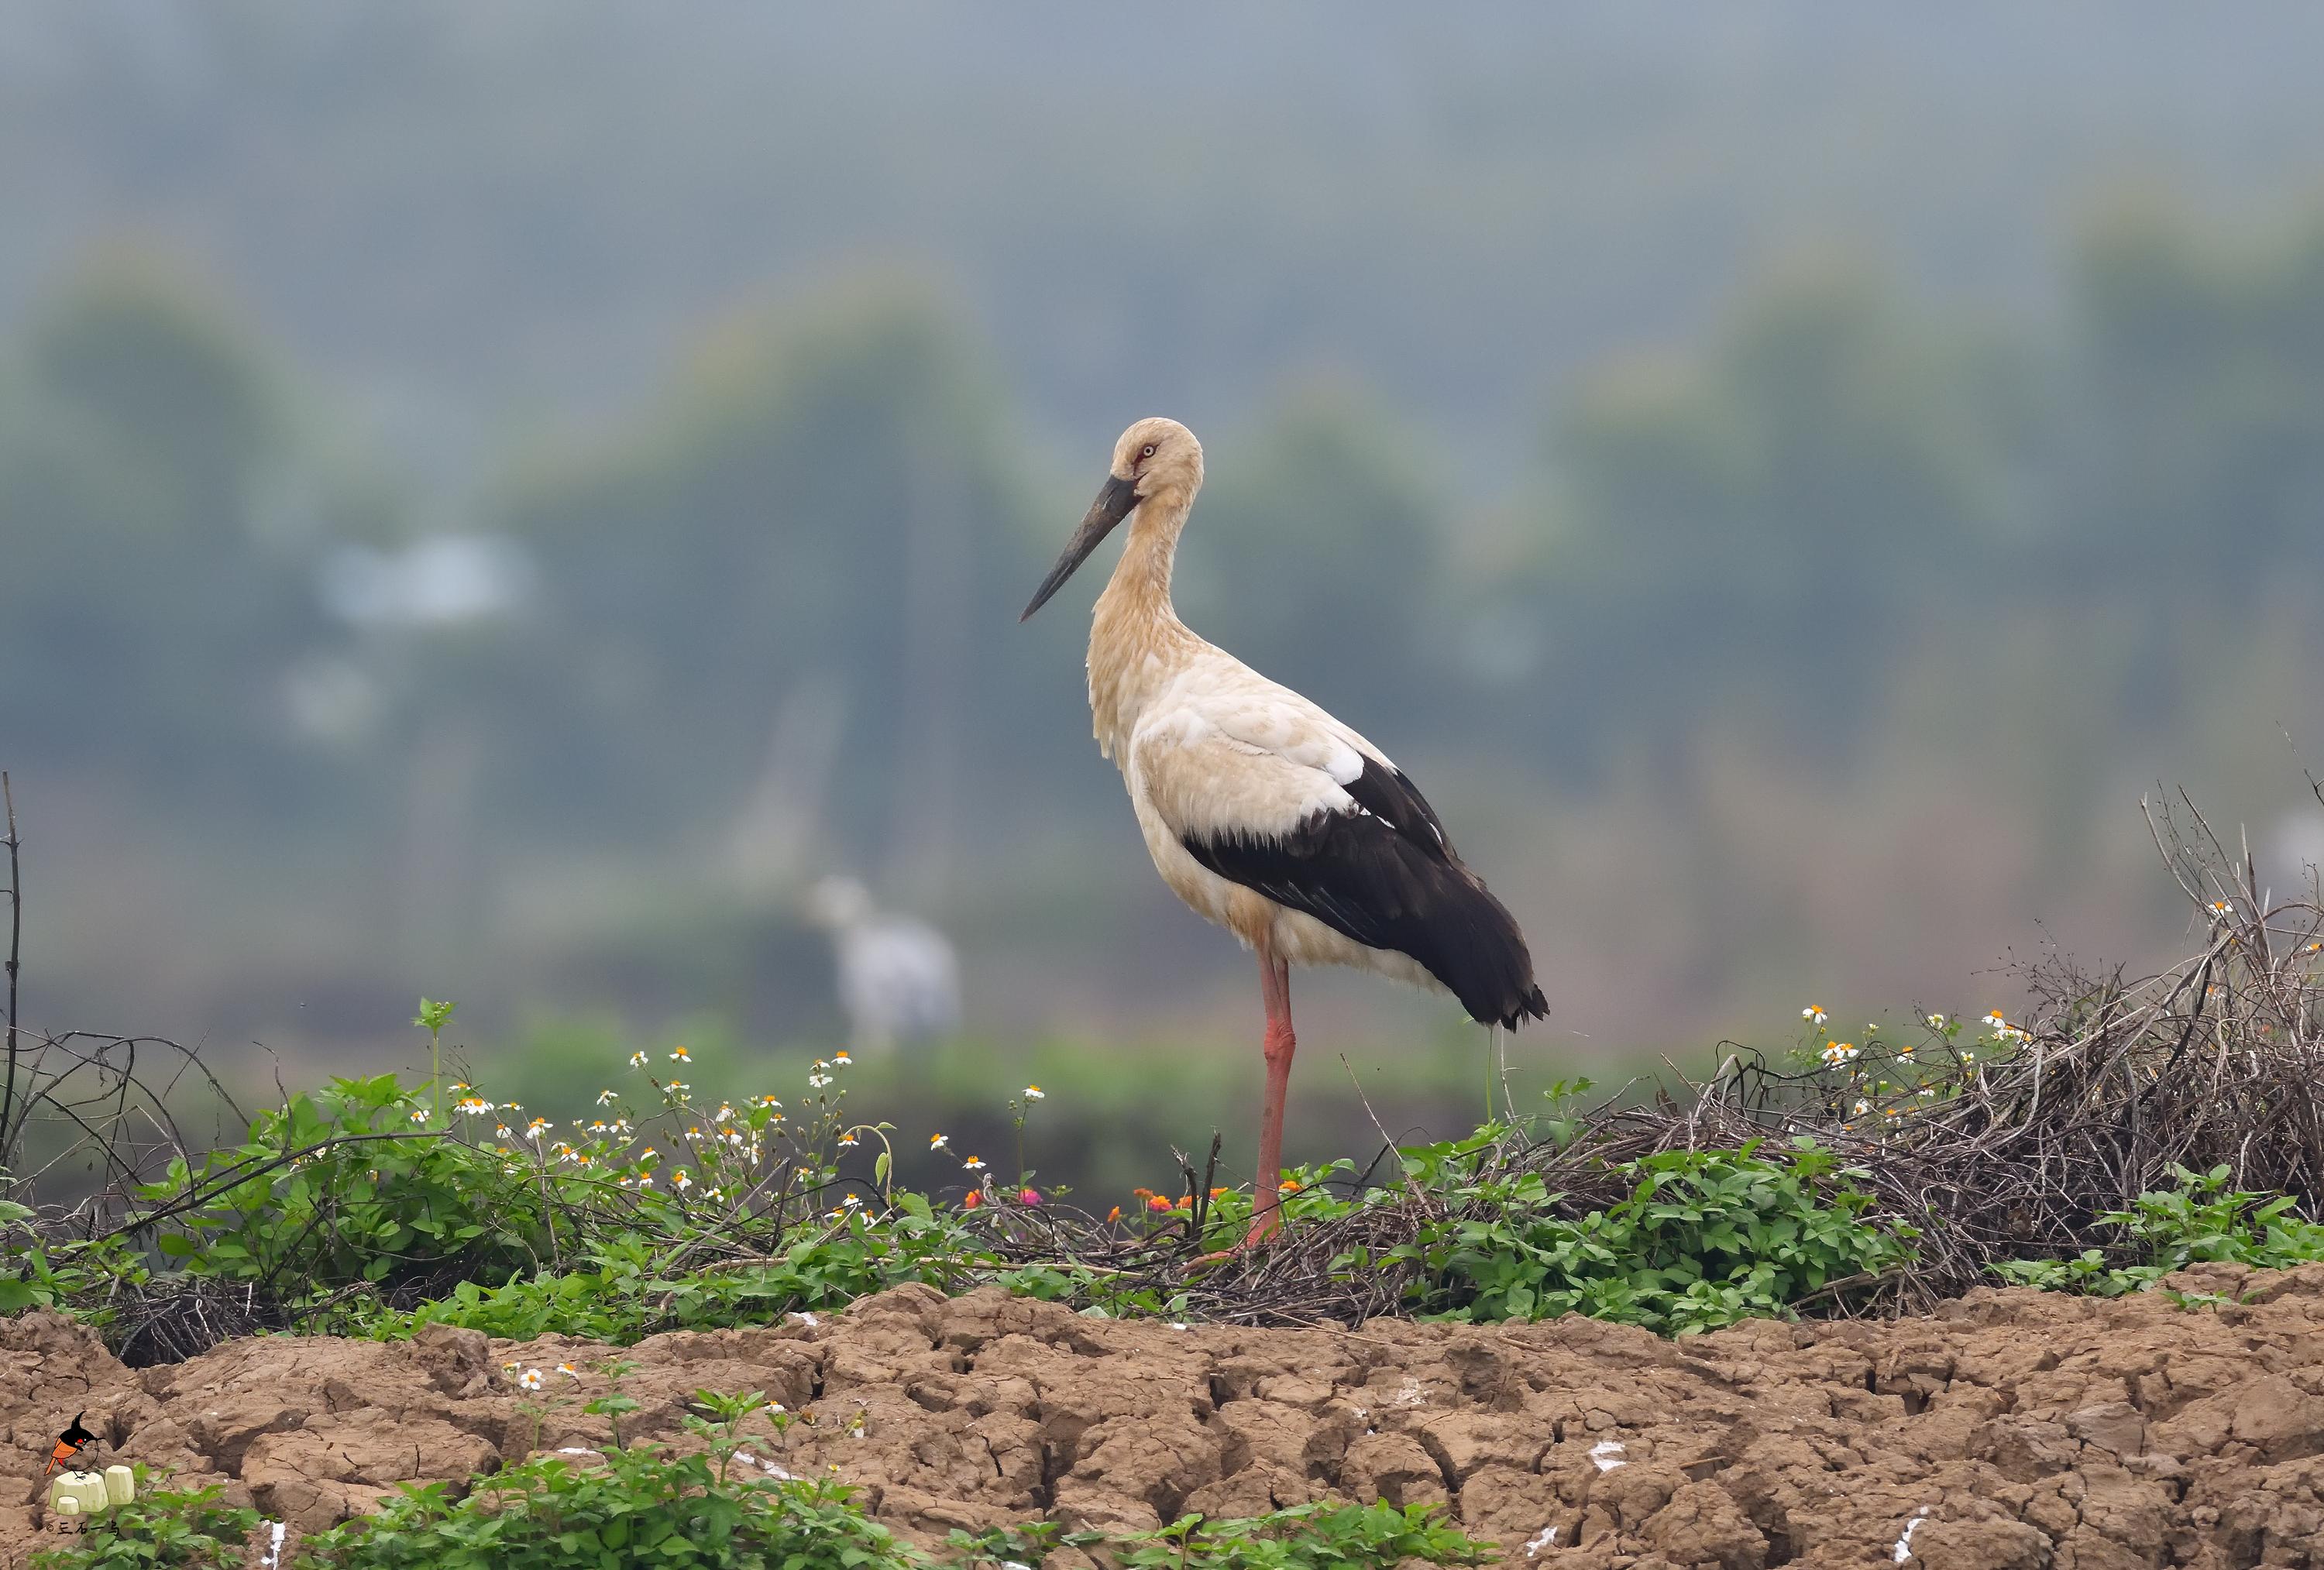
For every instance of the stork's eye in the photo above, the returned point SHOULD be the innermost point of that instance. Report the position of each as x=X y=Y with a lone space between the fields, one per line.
x=1147 y=451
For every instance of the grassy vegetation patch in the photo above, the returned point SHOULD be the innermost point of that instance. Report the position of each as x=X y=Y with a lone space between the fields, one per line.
x=638 y=1507
x=1705 y=1239
x=2199 y=1220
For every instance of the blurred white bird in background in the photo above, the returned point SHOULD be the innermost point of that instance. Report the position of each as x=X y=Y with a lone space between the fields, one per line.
x=897 y=976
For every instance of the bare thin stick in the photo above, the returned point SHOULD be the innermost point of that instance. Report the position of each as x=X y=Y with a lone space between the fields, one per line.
x=1387 y=1141
x=15 y=945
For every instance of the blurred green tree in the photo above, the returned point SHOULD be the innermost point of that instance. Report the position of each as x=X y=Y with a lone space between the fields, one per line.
x=824 y=513
x=2199 y=380
x=1765 y=517
x=146 y=608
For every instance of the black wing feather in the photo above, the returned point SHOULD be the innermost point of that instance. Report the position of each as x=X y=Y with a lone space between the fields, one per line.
x=1385 y=793
x=1385 y=874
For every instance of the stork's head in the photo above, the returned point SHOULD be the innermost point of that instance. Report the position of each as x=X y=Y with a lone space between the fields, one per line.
x=1156 y=459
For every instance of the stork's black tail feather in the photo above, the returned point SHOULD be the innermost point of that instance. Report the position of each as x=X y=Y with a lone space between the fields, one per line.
x=1473 y=947
x=1355 y=873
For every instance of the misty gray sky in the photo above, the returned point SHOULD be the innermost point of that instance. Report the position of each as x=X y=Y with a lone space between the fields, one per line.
x=468 y=219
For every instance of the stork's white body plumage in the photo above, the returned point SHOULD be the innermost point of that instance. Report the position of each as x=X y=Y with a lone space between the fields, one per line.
x=1261 y=810
x=1221 y=750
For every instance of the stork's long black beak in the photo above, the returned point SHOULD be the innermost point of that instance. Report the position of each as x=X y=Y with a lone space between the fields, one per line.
x=1114 y=502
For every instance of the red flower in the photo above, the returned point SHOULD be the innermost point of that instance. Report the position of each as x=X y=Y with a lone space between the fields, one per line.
x=1028 y=1195
x=973 y=1201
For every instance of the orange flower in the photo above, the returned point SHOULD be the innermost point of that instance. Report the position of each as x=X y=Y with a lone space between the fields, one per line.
x=1114 y=1215
x=1156 y=1203
x=1288 y=1186
x=1216 y=1192
x=971 y=1201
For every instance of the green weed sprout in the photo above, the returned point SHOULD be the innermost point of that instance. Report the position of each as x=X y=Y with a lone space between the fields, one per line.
x=614 y=1403
x=433 y=1017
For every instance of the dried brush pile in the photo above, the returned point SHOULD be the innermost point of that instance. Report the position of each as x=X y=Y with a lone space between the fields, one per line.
x=2214 y=1062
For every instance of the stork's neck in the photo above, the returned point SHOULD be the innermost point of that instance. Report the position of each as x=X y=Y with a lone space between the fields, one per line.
x=1137 y=642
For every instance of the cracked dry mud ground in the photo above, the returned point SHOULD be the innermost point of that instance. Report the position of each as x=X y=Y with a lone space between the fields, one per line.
x=2010 y=1429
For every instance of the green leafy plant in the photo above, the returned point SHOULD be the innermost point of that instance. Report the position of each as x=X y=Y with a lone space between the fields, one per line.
x=353 y=1199
x=638 y=1507
x=80 y=1275
x=1563 y=1124
x=2200 y=1219
x=1313 y=1536
x=340 y=1187
x=705 y=1513
x=623 y=1299
x=1704 y=1238
x=612 y=1405
x=186 y=1530
x=719 y=1419
x=1026 y=1544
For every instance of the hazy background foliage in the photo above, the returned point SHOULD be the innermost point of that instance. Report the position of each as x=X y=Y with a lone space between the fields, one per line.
x=1784 y=479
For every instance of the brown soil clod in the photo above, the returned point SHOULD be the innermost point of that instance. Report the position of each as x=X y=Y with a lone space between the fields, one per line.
x=2010 y=1430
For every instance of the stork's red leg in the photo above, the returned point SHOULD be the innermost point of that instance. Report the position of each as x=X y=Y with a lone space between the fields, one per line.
x=1275 y=986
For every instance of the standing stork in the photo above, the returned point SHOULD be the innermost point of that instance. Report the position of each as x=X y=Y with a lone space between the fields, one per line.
x=1263 y=812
